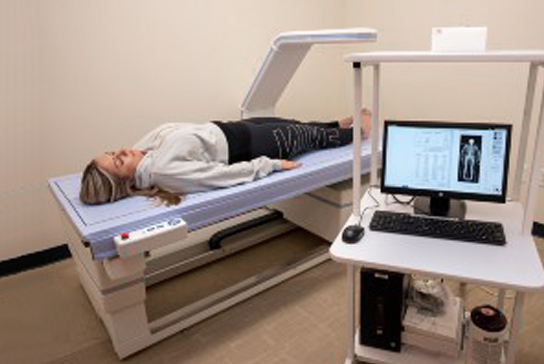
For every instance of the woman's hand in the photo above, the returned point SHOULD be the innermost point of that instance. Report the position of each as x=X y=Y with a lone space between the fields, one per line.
x=288 y=165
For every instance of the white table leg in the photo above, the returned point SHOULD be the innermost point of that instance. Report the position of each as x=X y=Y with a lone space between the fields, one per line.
x=351 y=314
x=515 y=327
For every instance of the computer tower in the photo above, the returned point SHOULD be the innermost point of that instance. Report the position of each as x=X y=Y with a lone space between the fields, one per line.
x=383 y=296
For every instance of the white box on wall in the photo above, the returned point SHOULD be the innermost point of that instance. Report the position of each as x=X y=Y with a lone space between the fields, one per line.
x=459 y=39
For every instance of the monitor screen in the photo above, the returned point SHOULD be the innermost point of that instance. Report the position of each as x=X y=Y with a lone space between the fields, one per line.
x=446 y=159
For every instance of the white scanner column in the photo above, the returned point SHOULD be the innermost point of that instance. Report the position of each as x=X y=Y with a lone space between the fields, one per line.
x=330 y=206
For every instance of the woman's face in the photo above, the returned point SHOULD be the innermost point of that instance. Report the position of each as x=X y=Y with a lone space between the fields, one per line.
x=121 y=163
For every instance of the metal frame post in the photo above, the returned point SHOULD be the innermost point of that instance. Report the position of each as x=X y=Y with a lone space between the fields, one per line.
x=351 y=313
x=535 y=172
x=524 y=135
x=358 y=95
x=375 y=132
x=515 y=328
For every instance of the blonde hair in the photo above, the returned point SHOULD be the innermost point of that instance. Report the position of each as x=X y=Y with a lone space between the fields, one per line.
x=99 y=187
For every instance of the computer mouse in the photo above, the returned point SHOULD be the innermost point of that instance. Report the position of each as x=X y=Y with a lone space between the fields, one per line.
x=353 y=233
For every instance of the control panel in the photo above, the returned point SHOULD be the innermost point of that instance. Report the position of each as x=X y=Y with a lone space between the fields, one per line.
x=136 y=242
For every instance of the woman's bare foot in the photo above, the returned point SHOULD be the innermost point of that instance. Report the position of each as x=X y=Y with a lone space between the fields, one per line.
x=366 y=122
x=346 y=122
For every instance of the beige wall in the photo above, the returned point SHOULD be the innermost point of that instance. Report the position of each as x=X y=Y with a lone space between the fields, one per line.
x=22 y=184
x=80 y=77
x=453 y=92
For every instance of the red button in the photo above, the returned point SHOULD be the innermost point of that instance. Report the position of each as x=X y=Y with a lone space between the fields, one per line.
x=125 y=236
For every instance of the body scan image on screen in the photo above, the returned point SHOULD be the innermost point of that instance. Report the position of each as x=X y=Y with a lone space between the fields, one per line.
x=469 y=158
x=446 y=160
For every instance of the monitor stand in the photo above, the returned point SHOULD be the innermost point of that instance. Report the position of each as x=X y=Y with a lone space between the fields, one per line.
x=440 y=206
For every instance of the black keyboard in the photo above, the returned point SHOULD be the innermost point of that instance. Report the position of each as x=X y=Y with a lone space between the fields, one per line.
x=465 y=230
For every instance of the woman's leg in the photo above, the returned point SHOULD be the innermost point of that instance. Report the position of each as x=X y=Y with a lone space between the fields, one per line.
x=286 y=139
x=276 y=120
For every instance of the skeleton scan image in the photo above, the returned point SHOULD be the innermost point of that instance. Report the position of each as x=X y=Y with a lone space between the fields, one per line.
x=469 y=158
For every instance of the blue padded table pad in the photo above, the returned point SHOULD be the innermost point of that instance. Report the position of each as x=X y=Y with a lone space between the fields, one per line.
x=98 y=225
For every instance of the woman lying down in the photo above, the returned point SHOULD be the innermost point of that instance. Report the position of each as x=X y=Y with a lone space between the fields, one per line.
x=178 y=158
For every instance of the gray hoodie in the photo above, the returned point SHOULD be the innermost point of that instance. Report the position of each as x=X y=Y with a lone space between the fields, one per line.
x=187 y=158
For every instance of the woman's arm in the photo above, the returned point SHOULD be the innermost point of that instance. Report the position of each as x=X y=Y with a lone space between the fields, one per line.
x=194 y=176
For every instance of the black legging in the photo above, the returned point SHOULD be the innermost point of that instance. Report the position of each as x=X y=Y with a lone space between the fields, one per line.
x=280 y=138
x=285 y=139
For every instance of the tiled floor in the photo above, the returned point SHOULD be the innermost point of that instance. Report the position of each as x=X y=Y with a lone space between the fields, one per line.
x=45 y=317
